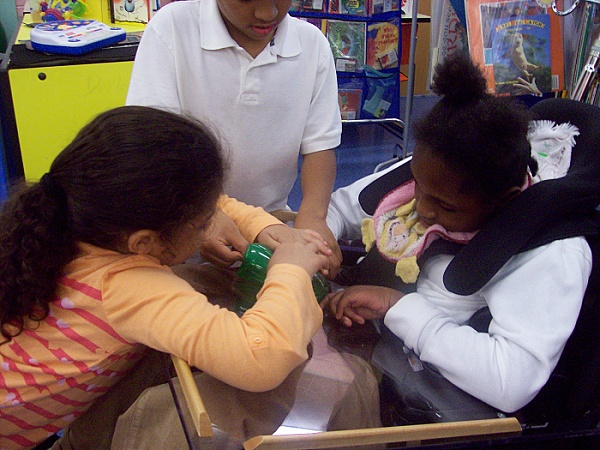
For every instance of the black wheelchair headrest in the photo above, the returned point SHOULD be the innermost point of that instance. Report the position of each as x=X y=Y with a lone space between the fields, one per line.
x=549 y=210
x=372 y=194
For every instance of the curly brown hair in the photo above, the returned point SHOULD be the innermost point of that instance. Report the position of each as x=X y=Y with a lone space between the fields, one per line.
x=131 y=168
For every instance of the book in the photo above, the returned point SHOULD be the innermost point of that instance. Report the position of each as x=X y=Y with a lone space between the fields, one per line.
x=580 y=34
x=43 y=11
x=308 y=5
x=448 y=36
x=381 y=94
x=383 y=6
x=517 y=44
x=407 y=8
x=351 y=7
x=347 y=41
x=350 y=101
x=382 y=44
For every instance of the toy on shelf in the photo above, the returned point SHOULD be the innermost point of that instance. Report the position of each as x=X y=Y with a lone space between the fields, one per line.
x=74 y=37
x=55 y=10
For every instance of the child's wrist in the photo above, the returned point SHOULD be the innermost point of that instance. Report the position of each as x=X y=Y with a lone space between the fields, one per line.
x=396 y=296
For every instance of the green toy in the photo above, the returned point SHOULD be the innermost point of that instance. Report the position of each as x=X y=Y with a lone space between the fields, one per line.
x=252 y=273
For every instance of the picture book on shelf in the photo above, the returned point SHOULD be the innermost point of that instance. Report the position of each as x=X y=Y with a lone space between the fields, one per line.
x=448 y=36
x=382 y=44
x=383 y=6
x=518 y=45
x=381 y=94
x=347 y=41
x=308 y=5
x=350 y=101
x=351 y=7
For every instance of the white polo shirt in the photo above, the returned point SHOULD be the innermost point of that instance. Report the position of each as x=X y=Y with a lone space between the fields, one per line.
x=266 y=110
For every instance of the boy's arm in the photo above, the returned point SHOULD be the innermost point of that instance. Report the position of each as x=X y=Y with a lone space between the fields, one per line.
x=318 y=177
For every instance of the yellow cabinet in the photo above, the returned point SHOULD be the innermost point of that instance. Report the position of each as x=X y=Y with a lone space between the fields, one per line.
x=52 y=104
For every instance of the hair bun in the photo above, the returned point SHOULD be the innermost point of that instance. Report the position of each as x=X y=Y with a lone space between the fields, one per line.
x=459 y=80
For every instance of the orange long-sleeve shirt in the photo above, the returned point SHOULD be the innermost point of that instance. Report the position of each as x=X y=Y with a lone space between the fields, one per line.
x=109 y=303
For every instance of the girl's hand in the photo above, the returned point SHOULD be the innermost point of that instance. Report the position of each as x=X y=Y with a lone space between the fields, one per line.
x=306 y=255
x=361 y=303
x=222 y=243
x=275 y=235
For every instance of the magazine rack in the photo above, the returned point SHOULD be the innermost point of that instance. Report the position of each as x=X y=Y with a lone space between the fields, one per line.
x=365 y=39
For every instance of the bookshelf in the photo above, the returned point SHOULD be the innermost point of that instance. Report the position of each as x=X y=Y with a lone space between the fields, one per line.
x=366 y=41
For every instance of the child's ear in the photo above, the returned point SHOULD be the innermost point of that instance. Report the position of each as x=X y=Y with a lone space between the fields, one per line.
x=144 y=242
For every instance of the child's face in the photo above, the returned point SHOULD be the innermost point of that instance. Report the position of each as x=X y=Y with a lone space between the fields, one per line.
x=441 y=198
x=185 y=242
x=252 y=23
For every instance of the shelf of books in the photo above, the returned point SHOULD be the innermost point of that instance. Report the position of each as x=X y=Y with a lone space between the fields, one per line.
x=365 y=38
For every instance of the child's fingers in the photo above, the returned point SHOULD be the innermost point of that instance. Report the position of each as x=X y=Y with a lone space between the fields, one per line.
x=311 y=236
x=353 y=316
x=332 y=300
x=347 y=321
x=338 y=305
x=301 y=254
x=324 y=303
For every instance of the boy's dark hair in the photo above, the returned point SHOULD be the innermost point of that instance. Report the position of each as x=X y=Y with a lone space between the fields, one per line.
x=481 y=136
x=131 y=168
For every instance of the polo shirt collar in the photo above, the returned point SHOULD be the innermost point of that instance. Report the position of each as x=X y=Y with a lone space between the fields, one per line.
x=210 y=19
x=287 y=43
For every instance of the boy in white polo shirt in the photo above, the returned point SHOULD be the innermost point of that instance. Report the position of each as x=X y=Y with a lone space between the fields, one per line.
x=267 y=83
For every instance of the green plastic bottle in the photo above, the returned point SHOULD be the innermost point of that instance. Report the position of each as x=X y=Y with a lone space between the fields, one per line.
x=251 y=277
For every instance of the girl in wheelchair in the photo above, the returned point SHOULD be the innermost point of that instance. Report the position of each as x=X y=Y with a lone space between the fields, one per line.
x=472 y=160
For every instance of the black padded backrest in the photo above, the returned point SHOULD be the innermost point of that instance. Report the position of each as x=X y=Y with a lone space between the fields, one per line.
x=548 y=210
x=372 y=194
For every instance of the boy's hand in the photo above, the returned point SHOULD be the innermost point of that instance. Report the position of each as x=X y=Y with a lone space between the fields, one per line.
x=275 y=235
x=361 y=303
x=222 y=243
x=307 y=255
x=320 y=226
